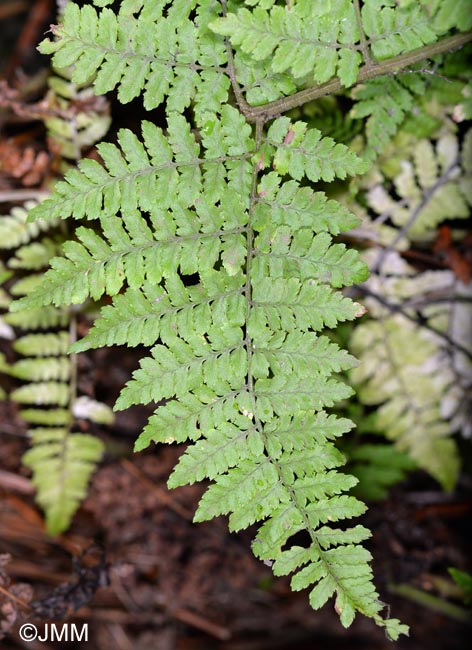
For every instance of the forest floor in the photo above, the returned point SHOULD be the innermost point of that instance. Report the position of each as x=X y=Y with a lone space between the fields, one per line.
x=133 y=566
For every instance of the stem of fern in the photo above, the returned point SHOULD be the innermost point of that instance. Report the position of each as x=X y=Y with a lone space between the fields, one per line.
x=368 y=71
x=363 y=41
x=72 y=392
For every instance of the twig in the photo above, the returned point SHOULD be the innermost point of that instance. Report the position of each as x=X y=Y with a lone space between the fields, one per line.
x=19 y=196
x=15 y=483
x=11 y=98
x=120 y=638
x=364 y=45
x=418 y=320
x=217 y=631
x=11 y=596
x=390 y=66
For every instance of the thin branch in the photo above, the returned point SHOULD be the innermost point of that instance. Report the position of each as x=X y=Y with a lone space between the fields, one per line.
x=390 y=66
x=17 y=196
x=15 y=599
x=419 y=320
x=243 y=106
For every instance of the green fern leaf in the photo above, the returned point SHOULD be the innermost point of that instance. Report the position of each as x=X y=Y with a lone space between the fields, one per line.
x=301 y=152
x=218 y=253
x=324 y=41
x=43 y=345
x=62 y=464
x=39 y=318
x=44 y=392
x=46 y=369
x=51 y=417
x=394 y=30
x=34 y=256
x=150 y=55
x=433 y=184
x=408 y=374
x=15 y=230
x=450 y=14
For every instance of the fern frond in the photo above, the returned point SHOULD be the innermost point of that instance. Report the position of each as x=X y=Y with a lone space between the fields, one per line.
x=259 y=83
x=147 y=175
x=432 y=182
x=324 y=40
x=44 y=392
x=15 y=230
x=378 y=467
x=142 y=316
x=289 y=204
x=385 y=102
x=419 y=387
x=43 y=345
x=449 y=14
x=51 y=417
x=39 y=318
x=72 y=137
x=394 y=29
x=301 y=152
x=34 y=256
x=62 y=464
x=218 y=252
x=162 y=56
x=46 y=369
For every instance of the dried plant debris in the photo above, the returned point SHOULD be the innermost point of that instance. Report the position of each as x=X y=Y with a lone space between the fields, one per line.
x=68 y=597
x=14 y=598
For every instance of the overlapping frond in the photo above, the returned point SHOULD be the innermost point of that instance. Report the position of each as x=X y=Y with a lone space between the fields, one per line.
x=148 y=175
x=418 y=382
x=385 y=103
x=432 y=182
x=163 y=54
x=61 y=461
x=325 y=39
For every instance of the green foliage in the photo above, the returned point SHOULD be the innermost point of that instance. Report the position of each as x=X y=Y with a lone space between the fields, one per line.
x=323 y=40
x=421 y=390
x=150 y=55
x=464 y=581
x=16 y=230
x=377 y=467
x=411 y=368
x=451 y=13
x=74 y=132
x=432 y=182
x=61 y=461
x=385 y=102
x=218 y=254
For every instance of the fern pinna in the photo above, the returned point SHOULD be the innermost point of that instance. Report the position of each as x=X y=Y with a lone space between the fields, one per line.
x=60 y=458
x=219 y=253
